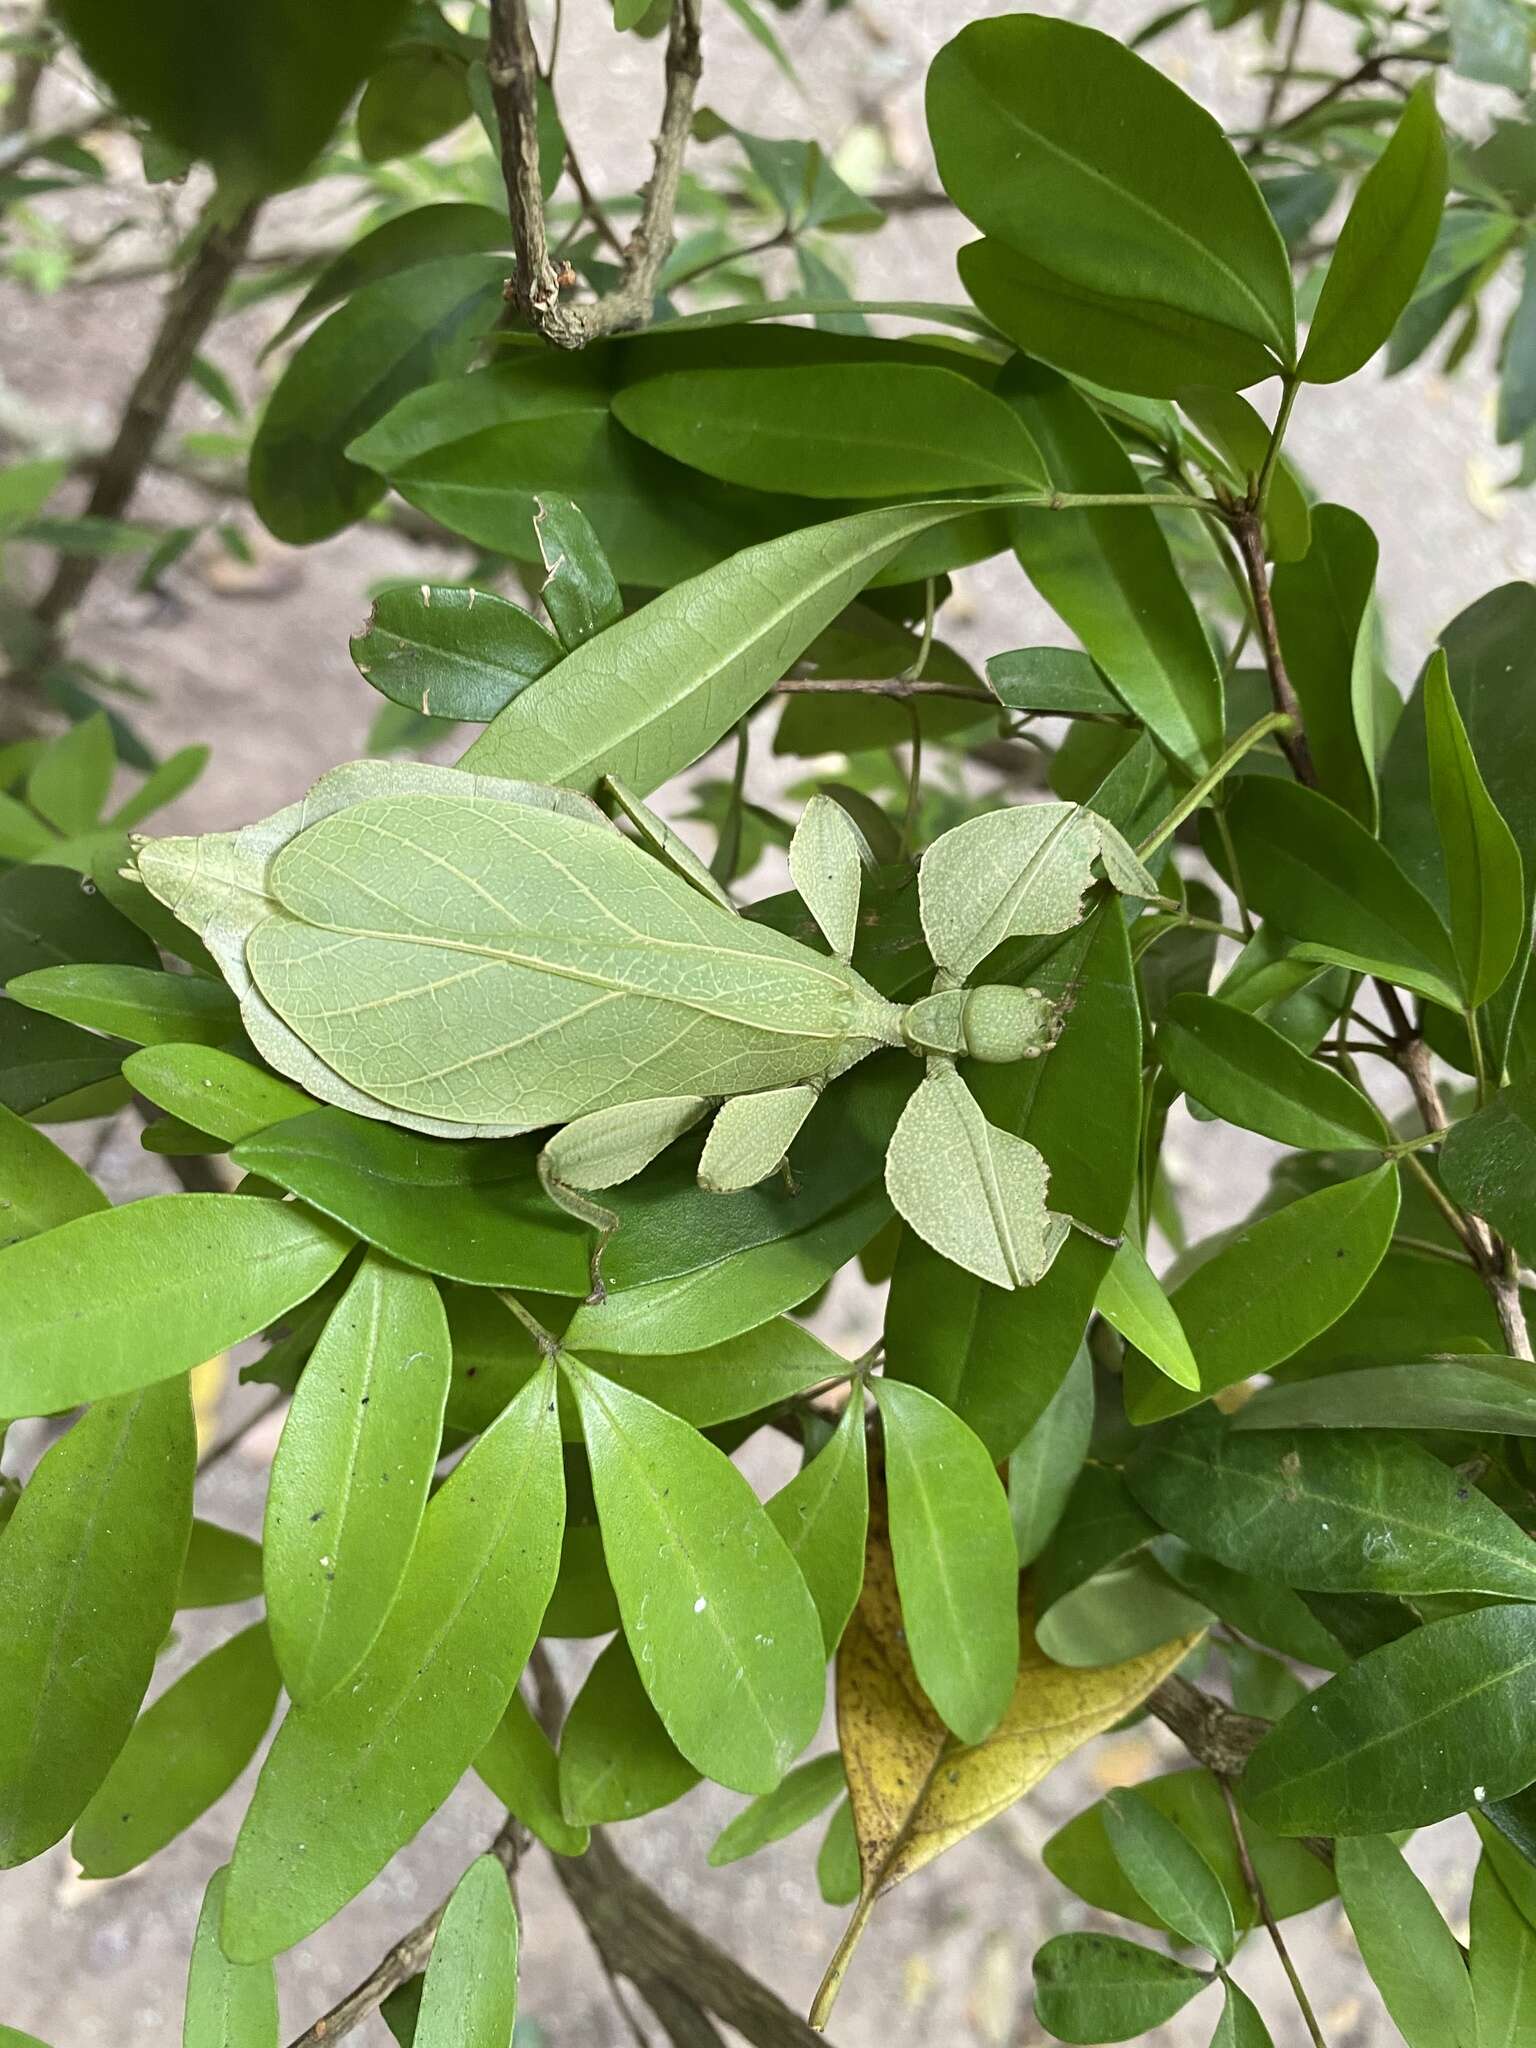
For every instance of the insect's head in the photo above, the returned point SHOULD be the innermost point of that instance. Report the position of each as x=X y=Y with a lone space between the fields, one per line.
x=992 y=1023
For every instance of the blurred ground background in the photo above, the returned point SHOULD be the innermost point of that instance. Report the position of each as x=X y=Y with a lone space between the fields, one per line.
x=257 y=663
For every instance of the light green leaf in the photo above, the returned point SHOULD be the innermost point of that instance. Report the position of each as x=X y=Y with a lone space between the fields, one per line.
x=1044 y=1468
x=184 y=1753
x=417 y=94
x=137 y=1003
x=520 y=1767
x=1325 y=610
x=1480 y=1394
x=1503 y=1962
x=956 y=1563
x=470 y=1996
x=1021 y=872
x=1489 y=925
x=1170 y=1873
x=1414 y=1959
x=452 y=653
x=616 y=1759
x=579 y=590
x=218 y=1092
x=350 y=1779
x=1488 y=1162
x=826 y=867
x=229 y=2005
x=89 y=1563
x=350 y=1478
x=1250 y=1074
x=1241 y=2024
x=1098 y=1987
x=40 y=1186
x=837 y=1861
x=73 y=776
x=222 y=1567
x=758 y=1369
x=1131 y=1298
x=823 y=1516
x=1383 y=246
x=1138 y=252
x=175 y=1280
x=723 y=1630
x=809 y=1789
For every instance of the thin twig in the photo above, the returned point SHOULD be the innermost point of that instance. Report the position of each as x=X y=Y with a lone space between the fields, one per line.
x=900 y=687
x=1272 y=1925
x=1248 y=530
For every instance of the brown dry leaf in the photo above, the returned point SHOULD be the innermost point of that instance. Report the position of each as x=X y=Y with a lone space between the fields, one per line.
x=915 y=1791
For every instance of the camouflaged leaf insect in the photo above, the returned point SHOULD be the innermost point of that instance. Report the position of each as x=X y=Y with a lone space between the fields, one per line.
x=472 y=957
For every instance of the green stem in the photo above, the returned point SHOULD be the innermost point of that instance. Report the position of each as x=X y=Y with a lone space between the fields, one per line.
x=547 y=1342
x=1272 y=721
x=1479 y=1057
x=1266 y=473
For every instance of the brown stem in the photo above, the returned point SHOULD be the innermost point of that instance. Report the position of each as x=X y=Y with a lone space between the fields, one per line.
x=1272 y=1925
x=901 y=687
x=536 y=282
x=1248 y=530
x=1215 y=1734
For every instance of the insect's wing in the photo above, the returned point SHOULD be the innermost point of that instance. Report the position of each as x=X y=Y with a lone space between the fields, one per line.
x=826 y=861
x=1006 y=874
x=972 y=1191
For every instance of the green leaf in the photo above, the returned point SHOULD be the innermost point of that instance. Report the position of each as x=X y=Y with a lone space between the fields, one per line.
x=1383 y=246
x=579 y=591
x=175 y=774
x=229 y=2005
x=1098 y=1987
x=1273 y=1287
x=1414 y=1960
x=1131 y=1299
x=23 y=836
x=1123 y=1613
x=49 y=919
x=1335 y=1512
x=175 y=1279
x=72 y=778
x=390 y=336
x=1107 y=571
x=1248 y=1073
x=351 y=1778
x=1099 y=1526
x=89 y=1563
x=823 y=1516
x=472 y=1211
x=418 y=93
x=1137 y=252
x=350 y=1478
x=1477 y=1394
x=837 y=1861
x=1489 y=924
x=1170 y=1874
x=1324 y=607
x=834 y=430
x=656 y=690
x=254 y=95
x=451 y=653
x=722 y=1628
x=809 y=1789
x=759 y=1369
x=1503 y=1961
x=956 y=1564
x=1488 y=1162
x=1044 y=1467
x=1241 y=2024
x=424 y=235
x=45 y=1066
x=1517 y=381
x=1412 y=1732
x=996 y=1357
x=1052 y=679
x=221 y=1567
x=1242 y=436
x=616 y=1759
x=470 y=1996
x=1320 y=877
x=40 y=1186
x=521 y=1769
x=184 y=1753
x=1256 y=1607
x=218 y=1092
x=141 y=1004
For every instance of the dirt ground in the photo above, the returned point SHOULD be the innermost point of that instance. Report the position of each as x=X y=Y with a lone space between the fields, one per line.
x=258 y=664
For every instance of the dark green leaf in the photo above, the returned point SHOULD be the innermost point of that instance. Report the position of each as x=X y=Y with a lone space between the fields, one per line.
x=1100 y=1525
x=1241 y=2024
x=1052 y=679
x=1043 y=1469
x=1256 y=1607
x=452 y=653
x=759 y=1369
x=616 y=1759
x=141 y=1004
x=1414 y=1960
x=823 y=1516
x=1503 y=1962
x=1242 y=436
x=40 y=1186
x=1478 y=1394
x=418 y=93
x=424 y=235
x=49 y=917
x=579 y=591
x=1489 y=924
x=1243 y=1070
x=1517 y=381
x=1097 y=1987
x=1488 y=1162
x=1324 y=607
x=1170 y=1873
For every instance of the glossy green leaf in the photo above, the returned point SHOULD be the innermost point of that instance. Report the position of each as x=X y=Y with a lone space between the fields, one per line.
x=835 y=430
x=1170 y=1873
x=1137 y=252
x=616 y=1759
x=73 y=776
x=1412 y=1732
x=472 y=1211
x=1257 y=1607
x=579 y=591
x=823 y=1516
x=229 y=2005
x=1052 y=679
x=351 y=1778
x=1248 y=1073
x=809 y=1789
x=1099 y=1987
x=1044 y=1468
x=40 y=1186
x=1503 y=1961
x=452 y=653
x=49 y=918
x=218 y=1092
x=184 y=1753
x=520 y=1767
x=1324 y=608
x=350 y=1478
x=759 y=1369
x=389 y=337
x=423 y=235
x=136 y=1003
x=1320 y=877
x=44 y=1062
x=1489 y=925
x=1382 y=247
x=221 y=1568
x=1482 y=1395
x=1107 y=571
x=1414 y=1959
x=175 y=1279
x=470 y=1996
x=722 y=1628
x=956 y=1563
x=89 y=1563
x=1273 y=1287
x=1131 y=1299
x=1488 y=1162
x=1336 y=1512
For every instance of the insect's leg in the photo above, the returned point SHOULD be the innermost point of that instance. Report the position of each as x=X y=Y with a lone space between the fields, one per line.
x=606 y=1148
x=657 y=835
x=751 y=1137
x=1088 y=1230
